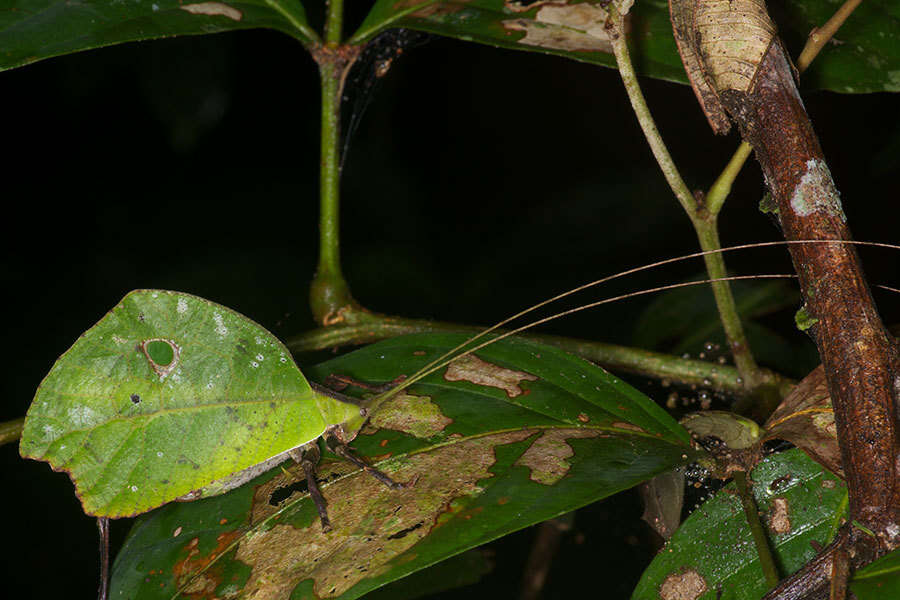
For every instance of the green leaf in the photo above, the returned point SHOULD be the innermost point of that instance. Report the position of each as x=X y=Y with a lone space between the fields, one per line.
x=712 y=555
x=879 y=580
x=32 y=30
x=463 y=569
x=567 y=28
x=492 y=444
x=166 y=395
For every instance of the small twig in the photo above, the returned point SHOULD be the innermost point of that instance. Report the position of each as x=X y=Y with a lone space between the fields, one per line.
x=721 y=187
x=540 y=559
x=820 y=36
x=766 y=561
x=10 y=431
x=703 y=220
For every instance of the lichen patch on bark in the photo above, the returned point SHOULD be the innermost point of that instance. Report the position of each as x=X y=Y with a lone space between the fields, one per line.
x=684 y=585
x=576 y=27
x=473 y=369
x=546 y=457
x=816 y=192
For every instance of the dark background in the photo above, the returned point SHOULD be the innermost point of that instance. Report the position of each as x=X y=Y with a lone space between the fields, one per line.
x=480 y=181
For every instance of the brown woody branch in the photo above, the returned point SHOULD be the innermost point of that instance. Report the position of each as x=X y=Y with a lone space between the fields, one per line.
x=859 y=356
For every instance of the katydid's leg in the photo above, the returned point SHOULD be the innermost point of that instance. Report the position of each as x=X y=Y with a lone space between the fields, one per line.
x=307 y=457
x=343 y=450
x=103 y=530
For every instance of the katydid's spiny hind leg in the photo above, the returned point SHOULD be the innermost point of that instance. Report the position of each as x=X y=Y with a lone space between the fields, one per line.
x=339 y=447
x=307 y=456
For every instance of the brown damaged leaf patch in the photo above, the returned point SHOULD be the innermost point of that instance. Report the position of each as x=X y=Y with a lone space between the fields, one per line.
x=806 y=419
x=546 y=457
x=779 y=520
x=561 y=26
x=372 y=524
x=685 y=585
x=415 y=415
x=474 y=370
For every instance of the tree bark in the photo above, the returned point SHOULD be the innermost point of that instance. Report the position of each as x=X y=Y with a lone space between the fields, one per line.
x=859 y=355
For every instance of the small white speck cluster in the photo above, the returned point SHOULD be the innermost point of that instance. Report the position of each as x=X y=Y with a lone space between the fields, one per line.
x=220 y=325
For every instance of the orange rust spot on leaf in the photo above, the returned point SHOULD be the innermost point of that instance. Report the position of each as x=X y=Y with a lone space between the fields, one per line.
x=473 y=369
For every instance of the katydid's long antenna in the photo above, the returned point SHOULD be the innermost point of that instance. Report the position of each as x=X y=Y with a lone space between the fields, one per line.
x=446 y=357
x=431 y=369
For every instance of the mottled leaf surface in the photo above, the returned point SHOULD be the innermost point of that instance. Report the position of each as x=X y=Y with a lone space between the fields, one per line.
x=520 y=434
x=31 y=30
x=712 y=555
x=166 y=394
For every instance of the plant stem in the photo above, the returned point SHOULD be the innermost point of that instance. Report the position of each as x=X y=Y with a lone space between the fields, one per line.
x=820 y=36
x=668 y=368
x=720 y=189
x=334 y=22
x=706 y=227
x=756 y=529
x=329 y=293
x=703 y=220
x=10 y=431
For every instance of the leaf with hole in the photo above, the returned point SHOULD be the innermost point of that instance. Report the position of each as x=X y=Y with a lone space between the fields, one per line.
x=171 y=395
x=495 y=442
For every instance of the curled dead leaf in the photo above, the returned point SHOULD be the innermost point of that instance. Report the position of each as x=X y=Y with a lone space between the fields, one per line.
x=806 y=419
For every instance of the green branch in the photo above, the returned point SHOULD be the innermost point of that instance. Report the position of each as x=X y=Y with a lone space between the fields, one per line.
x=10 y=431
x=370 y=328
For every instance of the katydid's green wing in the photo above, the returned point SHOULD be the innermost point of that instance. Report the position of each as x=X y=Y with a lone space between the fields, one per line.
x=168 y=394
